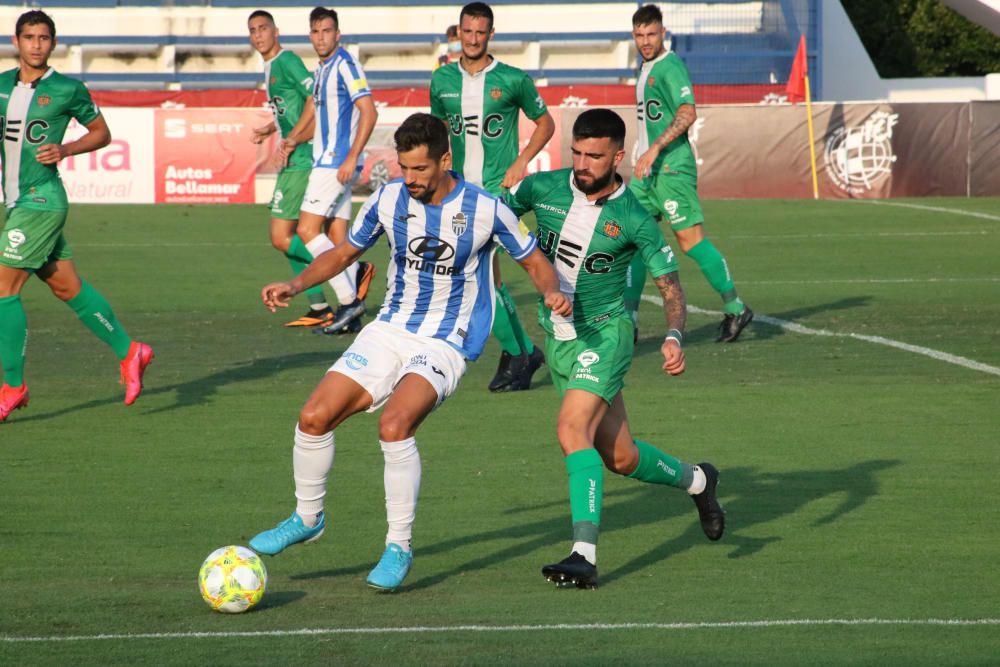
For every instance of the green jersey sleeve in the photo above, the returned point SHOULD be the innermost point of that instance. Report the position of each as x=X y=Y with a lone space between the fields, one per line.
x=529 y=100
x=520 y=197
x=675 y=85
x=437 y=104
x=81 y=105
x=656 y=253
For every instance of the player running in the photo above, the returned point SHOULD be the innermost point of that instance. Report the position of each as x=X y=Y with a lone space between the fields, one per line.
x=339 y=118
x=590 y=226
x=36 y=105
x=288 y=85
x=665 y=178
x=481 y=98
x=436 y=316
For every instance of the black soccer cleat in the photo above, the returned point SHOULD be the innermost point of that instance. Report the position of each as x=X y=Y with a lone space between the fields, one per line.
x=352 y=327
x=574 y=570
x=710 y=512
x=506 y=372
x=345 y=315
x=524 y=368
x=732 y=325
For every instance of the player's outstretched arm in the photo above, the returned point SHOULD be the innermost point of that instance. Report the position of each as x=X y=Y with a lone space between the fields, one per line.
x=546 y=282
x=259 y=134
x=323 y=267
x=545 y=127
x=675 y=311
x=683 y=119
x=98 y=136
x=367 y=116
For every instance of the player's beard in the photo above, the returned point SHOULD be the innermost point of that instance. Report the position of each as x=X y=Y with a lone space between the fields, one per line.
x=424 y=194
x=596 y=185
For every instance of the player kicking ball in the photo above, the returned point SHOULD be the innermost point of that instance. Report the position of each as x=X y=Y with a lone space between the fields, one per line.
x=437 y=314
x=591 y=226
x=36 y=105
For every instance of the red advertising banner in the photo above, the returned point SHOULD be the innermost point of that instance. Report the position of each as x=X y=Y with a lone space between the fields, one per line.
x=204 y=156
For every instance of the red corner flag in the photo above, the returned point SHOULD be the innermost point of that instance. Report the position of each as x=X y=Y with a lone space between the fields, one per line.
x=796 y=87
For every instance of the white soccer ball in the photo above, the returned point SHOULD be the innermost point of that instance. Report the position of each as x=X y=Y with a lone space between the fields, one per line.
x=232 y=579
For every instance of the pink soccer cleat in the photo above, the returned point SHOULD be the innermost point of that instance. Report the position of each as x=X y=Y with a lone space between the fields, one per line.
x=12 y=398
x=134 y=365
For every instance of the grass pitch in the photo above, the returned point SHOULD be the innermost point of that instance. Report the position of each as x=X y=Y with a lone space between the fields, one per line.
x=858 y=477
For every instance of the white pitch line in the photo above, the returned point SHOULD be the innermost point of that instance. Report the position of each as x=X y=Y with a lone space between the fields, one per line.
x=861 y=235
x=924 y=207
x=878 y=340
x=313 y=632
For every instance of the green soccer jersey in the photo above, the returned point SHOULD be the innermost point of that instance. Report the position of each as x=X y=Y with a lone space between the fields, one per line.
x=482 y=114
x=32 y=115
x=289 y=84
x=590 y=244
x=663 y=86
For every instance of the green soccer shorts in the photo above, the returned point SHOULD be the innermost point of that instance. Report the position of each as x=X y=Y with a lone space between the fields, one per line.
x=289 y=190
x=32 y=238
x=595 y=361
x=672 y=196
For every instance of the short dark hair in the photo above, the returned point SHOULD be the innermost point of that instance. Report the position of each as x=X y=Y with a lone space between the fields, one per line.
x=320 y=13
x=647 y=14
x=422 y=129
x=477 y=10
x=452 y=31
x=598 y=124
x=261 y=12
x=34 y=17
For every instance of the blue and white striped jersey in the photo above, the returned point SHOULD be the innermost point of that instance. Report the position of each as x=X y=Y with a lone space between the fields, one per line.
x=439 y=280
x=338 y=83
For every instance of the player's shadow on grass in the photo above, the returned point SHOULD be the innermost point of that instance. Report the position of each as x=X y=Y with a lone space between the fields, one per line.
x=759 y=329
x=200 y=390
x=276 y=599
x=752 y=499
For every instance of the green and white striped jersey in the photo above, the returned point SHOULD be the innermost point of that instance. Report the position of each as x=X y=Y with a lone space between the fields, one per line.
x=663 y=86
x=590 y=243
x=482 y=114
x=32 y=115
x=288 y=85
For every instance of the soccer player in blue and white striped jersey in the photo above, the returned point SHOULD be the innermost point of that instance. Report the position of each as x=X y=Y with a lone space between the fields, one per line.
x=338 y=118
x=437 y=314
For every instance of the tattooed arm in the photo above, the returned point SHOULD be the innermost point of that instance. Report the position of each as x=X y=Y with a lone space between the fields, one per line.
x=685 y=116
x=675 y=310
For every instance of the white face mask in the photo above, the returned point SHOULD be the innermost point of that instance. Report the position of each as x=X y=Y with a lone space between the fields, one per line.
x=454 y=47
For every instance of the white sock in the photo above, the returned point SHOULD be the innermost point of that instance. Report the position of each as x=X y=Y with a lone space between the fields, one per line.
x=587 y=550
x=698 y=483
x=312 y=458
x=343 y=287
x=402 y=486
x=345 y=284
x=323 y=305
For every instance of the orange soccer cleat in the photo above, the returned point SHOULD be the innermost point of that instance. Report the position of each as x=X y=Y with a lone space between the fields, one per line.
x=12 y=398
x=134 y=365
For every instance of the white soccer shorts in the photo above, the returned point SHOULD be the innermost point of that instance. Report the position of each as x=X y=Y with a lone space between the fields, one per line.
x=326 y=196
x=382 y=354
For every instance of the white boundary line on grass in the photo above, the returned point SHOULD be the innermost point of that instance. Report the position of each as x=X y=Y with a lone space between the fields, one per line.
x=924 y=207
x=420 y=629
x=878 y=340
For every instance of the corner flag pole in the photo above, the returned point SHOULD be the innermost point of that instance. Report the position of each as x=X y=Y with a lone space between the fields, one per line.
x=812 y=140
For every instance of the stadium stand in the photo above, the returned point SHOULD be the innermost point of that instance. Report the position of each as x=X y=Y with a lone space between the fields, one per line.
x=173 y=44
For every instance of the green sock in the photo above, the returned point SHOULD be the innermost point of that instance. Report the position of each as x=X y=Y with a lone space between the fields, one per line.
x=586 y=491
x=13 y=339
x=95 y=312
x=656 y=467
x=507 y=326
x=635 y=281
x=298 y=258
x=713 y=266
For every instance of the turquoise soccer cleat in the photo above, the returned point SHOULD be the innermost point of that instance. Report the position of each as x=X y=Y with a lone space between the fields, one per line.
x=392 y=568
x=285 y=534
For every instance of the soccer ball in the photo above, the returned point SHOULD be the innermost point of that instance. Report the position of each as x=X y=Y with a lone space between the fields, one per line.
x=232 y=579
